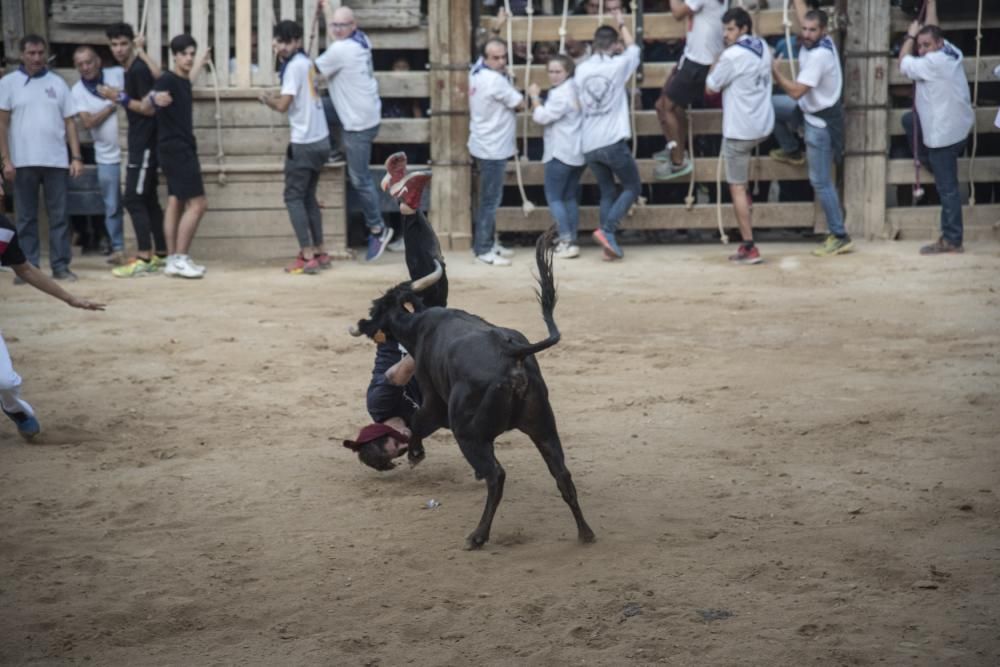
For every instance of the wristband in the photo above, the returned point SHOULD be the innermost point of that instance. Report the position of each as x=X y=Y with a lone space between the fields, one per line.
x=908 y=36
x=77 y=158
x=123 y=99
x=152 y=99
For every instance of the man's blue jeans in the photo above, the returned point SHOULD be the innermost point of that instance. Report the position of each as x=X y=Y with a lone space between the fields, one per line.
x=944 y=164
x=491 y=173
x=358 y=153
x=606 y=163
x=819 y=153
x=54 y=180
x=562 y=192
x=109 y=178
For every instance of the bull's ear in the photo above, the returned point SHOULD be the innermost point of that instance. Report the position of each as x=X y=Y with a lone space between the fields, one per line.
x=409 y=307
x=379 y=337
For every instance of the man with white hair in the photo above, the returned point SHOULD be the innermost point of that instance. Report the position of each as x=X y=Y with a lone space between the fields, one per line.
x=347 y=63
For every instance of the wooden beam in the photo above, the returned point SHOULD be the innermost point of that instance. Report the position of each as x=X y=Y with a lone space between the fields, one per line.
x=413 y=38
x=986 y=66
x=764 y=169
x=220 y=33
x=980 y=222
x=987 y=170
x=154 y=34
x=984 y=120
x=265 y=54
x=901 y=21
x=175 y=18
x=13 y=28
x=199 y=30
x=244 y=46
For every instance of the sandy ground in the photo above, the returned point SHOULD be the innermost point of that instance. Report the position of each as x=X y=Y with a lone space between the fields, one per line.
x=790 y=464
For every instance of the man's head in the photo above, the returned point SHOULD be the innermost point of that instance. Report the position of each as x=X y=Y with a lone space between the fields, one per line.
x=378 y=444
x=287 y=38
x=593 y=7
x=605 y=39
x=736 y=22
x=86 y=62
x=120 y=38
x=495 y=55
x=33 y=48
x=813 y=27
x=929 y=39
x=183 y=48
x=342 y=24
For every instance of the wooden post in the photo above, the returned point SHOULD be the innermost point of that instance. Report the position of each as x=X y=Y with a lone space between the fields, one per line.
x=243 y=22
x=175 y=18
x=154 y=34
x=20 y=18
x=866 y=90
x=199 y=30
x=265 y=54
x=220 y=52
x=450 y=34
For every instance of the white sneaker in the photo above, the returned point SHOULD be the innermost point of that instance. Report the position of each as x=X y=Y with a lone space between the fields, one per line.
x=197 y=267
x=493 y=259
x=170 y=268
x=566 y=250
x=502 y=251
x=185 y=268
x=398 y=245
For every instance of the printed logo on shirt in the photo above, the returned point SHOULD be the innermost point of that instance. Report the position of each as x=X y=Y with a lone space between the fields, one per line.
x=595 y=95
x=51 y=92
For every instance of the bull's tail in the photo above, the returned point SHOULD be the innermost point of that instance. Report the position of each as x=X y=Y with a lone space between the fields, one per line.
x=546 y=294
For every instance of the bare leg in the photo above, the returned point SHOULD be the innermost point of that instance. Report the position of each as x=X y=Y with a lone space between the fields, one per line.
x=741 y=206
x=193 y=210
x=171 y=219
x=673 y=124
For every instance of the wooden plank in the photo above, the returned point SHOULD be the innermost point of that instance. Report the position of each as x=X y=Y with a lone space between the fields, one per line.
x=263 y=141
x=980 y=222
x=62 y=33
x=764 y=169
x=154 y=33
x=221 y=40
x=265 y=55
x=654 y=74
x=264 y=249
x=199 y=31
x=243 y=43
x=412 y=38
x=789 y=215
x=984 y=120
x=74 y=12
x=403 y=84
x=130 y=13
x=175 y=18
x=13 y=28
x=987 y=170
x=986 y=66
x=288 y=12
x=900 y=21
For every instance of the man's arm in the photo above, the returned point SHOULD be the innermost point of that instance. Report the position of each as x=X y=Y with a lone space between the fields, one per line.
x=42 y=282
x=277 y=102
x=76 y=159
x=680 y=10
x=931 y=18
x=623 y=30
x=800 y=12
x=140 y=51
x=908 y=42
x=92 y=120
x=793 y=89
x=200 y=63
x=8 y=166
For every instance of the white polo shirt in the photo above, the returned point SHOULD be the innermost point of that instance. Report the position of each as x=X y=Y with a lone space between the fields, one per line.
x=38 y=108
x=743 y=74
x=106 y=147
x=353 y=88
x=819 y=68
x=492 y=122
x=305 y=114
x=562 y=120
x=703 y=42
x=943 y=102
x=600 y=85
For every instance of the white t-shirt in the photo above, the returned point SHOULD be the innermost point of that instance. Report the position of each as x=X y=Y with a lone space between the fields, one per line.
x=600 y=85
x=819 y=68
x=492 y=122
x=704 y=42
x=106 y=148
x=943 y=102
x=562 y=120
x=743 y=74
x=353 y=88
x=38 y=108
x=305 y=114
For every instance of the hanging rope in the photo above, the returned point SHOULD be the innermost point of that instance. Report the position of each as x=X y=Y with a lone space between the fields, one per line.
x=145 y=15
x=526 y=205
x=975 y=104
x=314 y=30
x=918 y=190
x=220 y=156
x=562 y=27
x=689 y=200
x=788 y=38
x=718 y=200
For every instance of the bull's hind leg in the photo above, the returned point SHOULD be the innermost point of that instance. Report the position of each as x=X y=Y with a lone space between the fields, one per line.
x=480 y=456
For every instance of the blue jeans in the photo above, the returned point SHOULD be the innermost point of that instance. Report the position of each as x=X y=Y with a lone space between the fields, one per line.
x=562 y=192
x=109 y=177
x=27 y=180
x=490 y=195
x=606 y=163
x=819 y=153
x=358 y=153
x=944 y=164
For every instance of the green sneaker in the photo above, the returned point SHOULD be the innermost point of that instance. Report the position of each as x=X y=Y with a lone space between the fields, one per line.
x=795 y=158
x=666 y=171
x=834 y=246
x=136 y=268
x=156 y=263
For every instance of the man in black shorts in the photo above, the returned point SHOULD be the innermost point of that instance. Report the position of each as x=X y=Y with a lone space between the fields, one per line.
x=141 y=200
x=178 y=153
x=686 y=84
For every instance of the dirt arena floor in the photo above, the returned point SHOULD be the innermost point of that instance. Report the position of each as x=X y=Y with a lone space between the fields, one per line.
x=789 y=464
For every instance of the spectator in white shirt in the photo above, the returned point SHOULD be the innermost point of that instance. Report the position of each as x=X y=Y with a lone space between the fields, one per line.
x=492 y=141
x=347 y=63
x=743 y=74
x=946 y=117
x=563 y=156
x=813 y=102
x=36 y=119
x=99 y=115
x=309 y=148
x=686 y=84
x=600 y=82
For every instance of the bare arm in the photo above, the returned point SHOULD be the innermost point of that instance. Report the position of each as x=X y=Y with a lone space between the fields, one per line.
x=793 y=89
x=92 y=120
x=908 y=42
x=277 y=102
x=76 y=160
x=42 y=282
x=140 y=51
x=200 y=63
x=932 y=16
x=8 y=166
x=800 y=10
x=623 y=29
x=679 y=9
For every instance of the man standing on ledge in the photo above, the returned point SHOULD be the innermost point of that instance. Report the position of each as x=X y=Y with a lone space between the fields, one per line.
x=347 y=63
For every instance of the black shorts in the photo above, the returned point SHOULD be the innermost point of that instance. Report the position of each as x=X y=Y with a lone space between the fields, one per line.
x=180 y=165
x=386 y=400
x=686 y=84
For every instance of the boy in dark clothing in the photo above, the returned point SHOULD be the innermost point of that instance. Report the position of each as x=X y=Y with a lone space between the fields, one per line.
x=16 y=408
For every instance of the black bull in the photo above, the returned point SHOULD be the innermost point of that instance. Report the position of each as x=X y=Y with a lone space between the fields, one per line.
x=479 y=380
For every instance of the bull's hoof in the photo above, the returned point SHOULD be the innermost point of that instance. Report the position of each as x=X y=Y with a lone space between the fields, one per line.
x=415 y=457
x=475 y=542
x=587 y=537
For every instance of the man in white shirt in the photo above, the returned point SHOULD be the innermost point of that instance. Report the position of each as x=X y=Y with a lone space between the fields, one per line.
x=686 y=84
x=600 y=81
x=37 y=109
x=743 y=74
x=99 y=115
x=813 y=102
x=492 y=141
x=347 y=63
x=308 y=150
x=946 y=117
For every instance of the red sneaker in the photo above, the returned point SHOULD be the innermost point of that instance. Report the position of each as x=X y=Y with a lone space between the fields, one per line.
x=395 y=171
x=324 y=260
x=410 y=190
x=746 y=255
x=303 y=265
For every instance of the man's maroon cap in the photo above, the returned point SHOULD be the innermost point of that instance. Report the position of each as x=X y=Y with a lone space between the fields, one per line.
x=374 y=432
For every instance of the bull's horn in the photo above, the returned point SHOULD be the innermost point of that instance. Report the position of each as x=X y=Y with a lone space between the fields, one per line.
x=421 y=284
x=354 y=330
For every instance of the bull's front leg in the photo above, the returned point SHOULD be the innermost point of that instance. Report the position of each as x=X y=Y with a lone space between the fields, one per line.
x=426 y=420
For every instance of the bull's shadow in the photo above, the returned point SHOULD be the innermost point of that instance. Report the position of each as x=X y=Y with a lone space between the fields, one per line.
x=477 y=379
